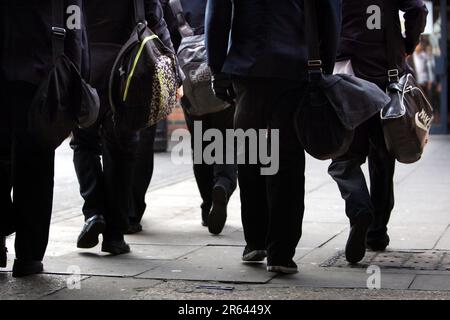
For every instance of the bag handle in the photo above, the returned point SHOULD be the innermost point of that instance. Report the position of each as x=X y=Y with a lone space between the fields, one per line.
x=392 y=47
x=58 y=29
x=139 y=12
x=315 y=64
x=183 y=26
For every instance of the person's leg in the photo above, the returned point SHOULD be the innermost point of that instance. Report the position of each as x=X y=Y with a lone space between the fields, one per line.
x=381 y=168
x=286 y=187
x=118 y=165
x=7 y=216
x=7 y=226
x=251 y=107
x=204 y=173
x=224 y=174
x=86 y=147
x=143 y=172
x=347 y=173
x=32 y=180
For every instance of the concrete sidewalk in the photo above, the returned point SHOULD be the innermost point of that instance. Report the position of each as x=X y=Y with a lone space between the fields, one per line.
x=175 y=257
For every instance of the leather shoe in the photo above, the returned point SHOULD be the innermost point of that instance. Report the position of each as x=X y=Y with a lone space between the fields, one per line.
x=23 y=268
x=355 y=249
x=115 y=247
x=218 y=215
x=92 y=228
x=134 y=228
x=379 y=244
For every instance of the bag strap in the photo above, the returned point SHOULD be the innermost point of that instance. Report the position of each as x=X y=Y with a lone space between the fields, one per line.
x=183 y=26
x=315 y=64
x=58 y=29
x=139 y=11
x=392 y=45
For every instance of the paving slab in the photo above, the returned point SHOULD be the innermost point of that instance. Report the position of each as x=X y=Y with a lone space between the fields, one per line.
x=104 y=288
x=444 y=242
x=415 y=236
x=431 y=283
x=339 y=279
x=211 y=264
x=98 y=264
x=30 y=288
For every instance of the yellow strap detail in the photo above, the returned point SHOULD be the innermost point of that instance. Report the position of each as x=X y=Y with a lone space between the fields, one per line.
x=136 y=60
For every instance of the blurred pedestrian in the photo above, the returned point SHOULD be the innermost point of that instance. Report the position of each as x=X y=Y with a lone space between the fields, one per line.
x=216 y=182
x=363 y=51
x=27 y=166
x=106 y=185
x=258 y=54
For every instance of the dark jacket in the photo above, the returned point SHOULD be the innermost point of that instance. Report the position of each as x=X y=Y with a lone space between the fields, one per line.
x=25 y=40
x=368 y=48
x=194 y=13
x=110 y=24
x=268 y=38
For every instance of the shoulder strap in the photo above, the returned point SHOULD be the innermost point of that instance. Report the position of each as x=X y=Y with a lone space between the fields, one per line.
x=183 y=26
x=139 y=11
x=314 y=61
x=392 y=45
x=58 y=28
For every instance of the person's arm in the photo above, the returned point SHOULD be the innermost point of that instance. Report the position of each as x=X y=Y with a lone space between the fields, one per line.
x=155 y=18
x=217 y=36
x=415 y=21
x=172 y=24
x=329 y=31
x=76 y=42
x=217 y=31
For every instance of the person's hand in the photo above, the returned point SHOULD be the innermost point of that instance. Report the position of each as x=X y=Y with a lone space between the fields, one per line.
x=223 y=87
x=180 y=93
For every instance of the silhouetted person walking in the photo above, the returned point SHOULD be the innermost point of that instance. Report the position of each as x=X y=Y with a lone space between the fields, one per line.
x=363 y=51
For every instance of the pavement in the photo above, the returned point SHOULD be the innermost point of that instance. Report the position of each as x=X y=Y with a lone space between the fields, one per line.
x=176 y=258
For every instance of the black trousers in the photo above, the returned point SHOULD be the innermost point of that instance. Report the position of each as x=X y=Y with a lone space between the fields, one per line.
x=206 y=175
x=143 y=173
x=106 y=186
x=346 y=171
x=272 y=206
x=27 y=168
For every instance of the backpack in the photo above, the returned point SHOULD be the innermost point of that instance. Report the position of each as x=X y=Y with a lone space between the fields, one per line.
x=144 y=78
x=193 y=61
x=64 y=100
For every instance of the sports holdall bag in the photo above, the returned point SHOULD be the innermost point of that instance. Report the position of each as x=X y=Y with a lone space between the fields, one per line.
x=407 y=120
x=144 y=78
x=193 y=61
x=64 y=100
x=333 y=105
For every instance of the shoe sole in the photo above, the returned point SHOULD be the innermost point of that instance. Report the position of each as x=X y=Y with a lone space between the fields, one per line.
x=218 y=215
x=19 y=272
x=255 y=256
x=281 y=269
x=355 y=248
x=89 y=239
x=115 y=251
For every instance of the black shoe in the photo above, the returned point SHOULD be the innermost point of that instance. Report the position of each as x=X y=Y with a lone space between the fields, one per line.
x=134 y=228
x=26 y=268
x=379 y=244
x=115 y=247
x=218 y=215
x=3 y=252
x=92 y=228
x=355 y=248
x=286 y=268
x=252 y=255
